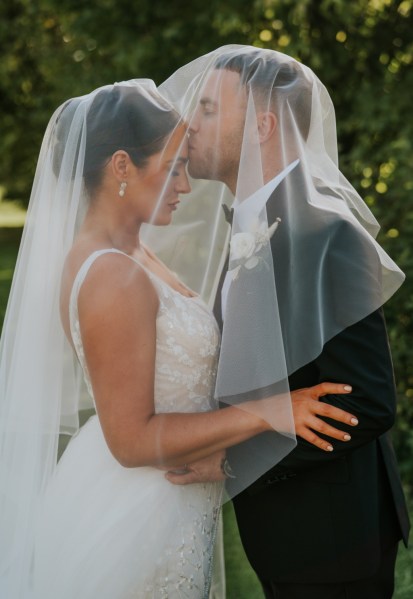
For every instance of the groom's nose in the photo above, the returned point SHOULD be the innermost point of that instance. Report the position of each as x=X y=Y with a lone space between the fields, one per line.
x=194 y=122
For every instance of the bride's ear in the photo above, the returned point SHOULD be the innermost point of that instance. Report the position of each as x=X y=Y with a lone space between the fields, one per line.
x=120 y=164
x=266 y=125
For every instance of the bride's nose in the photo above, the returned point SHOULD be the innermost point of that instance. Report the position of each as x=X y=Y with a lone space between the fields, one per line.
x=182 y=184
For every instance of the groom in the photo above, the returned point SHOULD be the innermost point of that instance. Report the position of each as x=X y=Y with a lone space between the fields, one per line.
x=318 y=525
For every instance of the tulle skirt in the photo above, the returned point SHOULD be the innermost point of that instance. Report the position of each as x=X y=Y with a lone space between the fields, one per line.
x=109 y=532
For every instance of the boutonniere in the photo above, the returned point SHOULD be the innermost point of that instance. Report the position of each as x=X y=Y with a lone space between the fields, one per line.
x=246 y=246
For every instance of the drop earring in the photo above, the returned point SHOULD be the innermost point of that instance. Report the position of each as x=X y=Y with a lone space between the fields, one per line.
x=122 y=188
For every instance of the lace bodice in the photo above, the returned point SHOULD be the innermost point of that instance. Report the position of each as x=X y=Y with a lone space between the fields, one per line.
x=187 y=341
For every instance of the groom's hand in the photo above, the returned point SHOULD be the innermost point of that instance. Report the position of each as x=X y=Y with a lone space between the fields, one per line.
x=206 y=470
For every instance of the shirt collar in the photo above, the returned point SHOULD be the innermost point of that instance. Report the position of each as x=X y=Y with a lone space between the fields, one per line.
x=256 y=202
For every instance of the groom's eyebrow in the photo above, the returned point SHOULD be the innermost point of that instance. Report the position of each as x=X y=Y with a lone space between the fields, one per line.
x=207 y=100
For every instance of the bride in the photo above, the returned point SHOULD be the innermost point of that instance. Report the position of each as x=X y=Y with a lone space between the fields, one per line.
x=105 y=522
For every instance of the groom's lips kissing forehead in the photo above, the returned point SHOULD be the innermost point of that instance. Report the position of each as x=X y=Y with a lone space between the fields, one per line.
x=191 y=144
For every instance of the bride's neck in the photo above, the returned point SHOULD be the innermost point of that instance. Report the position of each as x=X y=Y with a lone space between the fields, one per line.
x=115 y=228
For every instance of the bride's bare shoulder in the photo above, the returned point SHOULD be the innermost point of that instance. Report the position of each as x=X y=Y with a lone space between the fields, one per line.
x=113 y=277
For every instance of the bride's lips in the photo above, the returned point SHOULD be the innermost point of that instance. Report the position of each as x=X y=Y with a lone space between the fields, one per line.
x=173 y=205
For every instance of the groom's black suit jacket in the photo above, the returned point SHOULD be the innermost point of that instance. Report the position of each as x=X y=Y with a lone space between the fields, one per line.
x=319 y=516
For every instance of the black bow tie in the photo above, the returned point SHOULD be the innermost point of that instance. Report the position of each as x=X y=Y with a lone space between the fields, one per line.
x=228 y=213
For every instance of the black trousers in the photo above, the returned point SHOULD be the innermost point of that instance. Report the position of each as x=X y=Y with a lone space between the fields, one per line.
x=379 y=586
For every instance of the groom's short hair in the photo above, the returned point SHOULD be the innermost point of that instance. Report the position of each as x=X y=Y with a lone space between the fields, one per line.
x=273 y=81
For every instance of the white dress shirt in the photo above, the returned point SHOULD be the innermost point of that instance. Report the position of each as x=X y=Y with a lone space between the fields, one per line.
x=247 y=211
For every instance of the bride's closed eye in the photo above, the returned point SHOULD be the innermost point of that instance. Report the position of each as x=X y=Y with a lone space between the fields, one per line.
x=177 y=166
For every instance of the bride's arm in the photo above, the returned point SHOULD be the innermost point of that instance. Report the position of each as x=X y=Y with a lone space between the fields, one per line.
x=117 y=311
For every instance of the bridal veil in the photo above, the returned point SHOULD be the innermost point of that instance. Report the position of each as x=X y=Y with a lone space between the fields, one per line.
x=301 y=269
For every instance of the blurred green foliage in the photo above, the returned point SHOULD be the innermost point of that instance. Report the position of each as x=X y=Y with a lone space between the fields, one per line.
x=361 y=50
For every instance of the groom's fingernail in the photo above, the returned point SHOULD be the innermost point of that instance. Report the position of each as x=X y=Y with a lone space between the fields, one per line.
x=347 y=388
x=354 y=421
x=329 y=448
x=346 y=437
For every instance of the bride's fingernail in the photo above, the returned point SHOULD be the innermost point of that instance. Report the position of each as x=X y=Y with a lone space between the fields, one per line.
x=346 y=437
x=347 y=388
x=329 y=448
x=354 y=421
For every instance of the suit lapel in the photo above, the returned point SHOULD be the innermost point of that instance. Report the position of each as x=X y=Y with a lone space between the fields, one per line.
x=276 y=208
x=218 y=298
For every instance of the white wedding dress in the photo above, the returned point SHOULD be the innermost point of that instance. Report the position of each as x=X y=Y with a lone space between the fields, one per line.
x=109 y=532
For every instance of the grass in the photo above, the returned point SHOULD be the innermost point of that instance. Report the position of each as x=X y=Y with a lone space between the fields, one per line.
x=9 y=243
x=241 y=580
x=12 y=213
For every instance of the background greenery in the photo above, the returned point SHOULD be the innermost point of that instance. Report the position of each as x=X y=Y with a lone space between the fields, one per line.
x=363 y=52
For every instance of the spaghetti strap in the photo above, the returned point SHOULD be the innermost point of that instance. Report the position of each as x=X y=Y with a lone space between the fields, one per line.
x=79 y=279
x=73 y=308
x=84 y=269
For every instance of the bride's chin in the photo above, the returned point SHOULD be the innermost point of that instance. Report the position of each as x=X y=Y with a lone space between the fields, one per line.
x=162 y=220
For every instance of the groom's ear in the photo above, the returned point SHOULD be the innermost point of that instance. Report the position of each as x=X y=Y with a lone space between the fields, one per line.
x=266 y=125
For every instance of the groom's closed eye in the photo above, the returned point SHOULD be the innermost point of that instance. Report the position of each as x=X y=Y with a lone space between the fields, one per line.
x=209 y=106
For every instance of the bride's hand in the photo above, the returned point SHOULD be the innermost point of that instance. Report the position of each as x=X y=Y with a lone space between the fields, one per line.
x=307 y=409
x=205 y=470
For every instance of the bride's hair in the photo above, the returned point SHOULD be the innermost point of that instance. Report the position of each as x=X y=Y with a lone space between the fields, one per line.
x=119 y=118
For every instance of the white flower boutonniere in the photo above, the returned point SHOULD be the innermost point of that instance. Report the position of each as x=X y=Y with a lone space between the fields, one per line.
x=245 y=246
